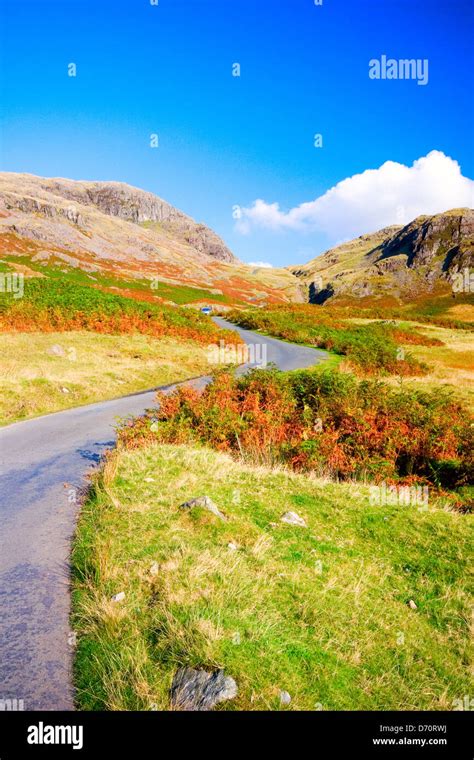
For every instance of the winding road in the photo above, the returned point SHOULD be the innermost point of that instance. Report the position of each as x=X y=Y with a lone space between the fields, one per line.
x=43 y=467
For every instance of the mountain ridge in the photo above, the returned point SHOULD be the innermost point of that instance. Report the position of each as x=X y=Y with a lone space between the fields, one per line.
x=399 y=260
x=123 y=237
x=132 y=204
x=116 y=231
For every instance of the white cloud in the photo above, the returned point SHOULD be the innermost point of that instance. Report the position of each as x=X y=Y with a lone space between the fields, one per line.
x=265 y=264
x=392 y=194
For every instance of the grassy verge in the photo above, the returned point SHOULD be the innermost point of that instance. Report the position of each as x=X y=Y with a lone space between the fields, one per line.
x=321 y=612
x=47 y=372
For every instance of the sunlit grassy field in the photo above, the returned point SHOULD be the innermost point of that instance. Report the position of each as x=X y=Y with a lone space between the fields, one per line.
x=321 y=612
x=47 y=372
x=450 y=365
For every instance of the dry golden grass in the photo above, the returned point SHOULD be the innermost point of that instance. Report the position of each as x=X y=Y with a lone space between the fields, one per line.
x=450 y=365
x=47 y=372
x=463 y=311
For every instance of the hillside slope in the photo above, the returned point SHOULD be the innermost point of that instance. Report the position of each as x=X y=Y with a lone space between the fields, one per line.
x=113 y=231
x=402 y=262
x=117 y=237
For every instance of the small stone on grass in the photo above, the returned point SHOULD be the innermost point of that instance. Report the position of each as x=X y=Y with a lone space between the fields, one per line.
x=291 y=518
x=285 y=698
x=205 y=503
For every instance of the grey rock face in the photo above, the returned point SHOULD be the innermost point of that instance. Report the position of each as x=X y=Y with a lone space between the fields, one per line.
x=65 y=200
x=319 y=295
x=205 y=503
x=138 y=206
x=33 y=206
x=199 y=690
x=399 y=261
x=432 y=242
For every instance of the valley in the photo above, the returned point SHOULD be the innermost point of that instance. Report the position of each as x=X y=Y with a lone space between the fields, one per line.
x=263 y=520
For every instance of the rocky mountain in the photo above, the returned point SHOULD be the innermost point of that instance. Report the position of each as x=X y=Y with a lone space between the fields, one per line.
x=403 y=262
x=114 y=231
x=121 y=238
x=65 y=197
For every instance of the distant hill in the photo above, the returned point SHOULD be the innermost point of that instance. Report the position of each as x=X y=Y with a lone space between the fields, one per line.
x=401 y=262
x=120 y=236
x=122 y=239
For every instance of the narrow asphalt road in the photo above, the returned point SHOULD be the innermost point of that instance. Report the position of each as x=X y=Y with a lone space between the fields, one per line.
x=43 y=467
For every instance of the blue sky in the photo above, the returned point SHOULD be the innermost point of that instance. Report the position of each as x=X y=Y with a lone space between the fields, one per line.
x=227 y=141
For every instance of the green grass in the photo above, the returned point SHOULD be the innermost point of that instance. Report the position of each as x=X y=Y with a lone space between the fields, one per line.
x=55 y=302
x=70 y=297
x=431 y=309
x=437 y=310
x=320 y=612
x=178 y=294
x=184 y=294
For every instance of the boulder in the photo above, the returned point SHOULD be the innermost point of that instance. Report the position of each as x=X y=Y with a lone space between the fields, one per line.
x=199 y=690
x=57 y=350
x=204 y=502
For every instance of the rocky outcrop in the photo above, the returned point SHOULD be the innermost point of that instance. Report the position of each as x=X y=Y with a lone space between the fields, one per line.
x=53 y=198
x=429 y=241
x=318 y=294
x=203 y=502
x=139 y=207
x=29 y=205
x=398 y=261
